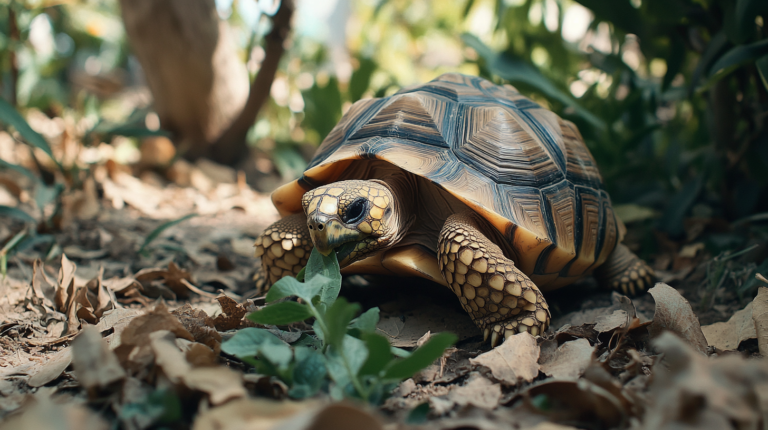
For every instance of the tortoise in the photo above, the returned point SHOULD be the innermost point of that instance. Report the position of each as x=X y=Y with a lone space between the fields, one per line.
x=465 y=183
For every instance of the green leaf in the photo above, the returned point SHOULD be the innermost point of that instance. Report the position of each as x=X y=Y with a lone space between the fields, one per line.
x=421 y=358
x=318 y=264
x=308 y=341
x=361 y=78
x=256 y=342
x=717 y=45
x=367 y=321
x=45 y=194
x=344 y=363
x=7 y=211
x=289 y=286
x=161 y=228
x=308 y=374
x=379 y=354
x=281 y=314
x=337 y=319
x=738 y=56
x=23 y=170
x=518 y=71
x=158 y=407
x=762 y=67
x=300 y=275
x=418 y=415
x=12 y=117
x=746 y=11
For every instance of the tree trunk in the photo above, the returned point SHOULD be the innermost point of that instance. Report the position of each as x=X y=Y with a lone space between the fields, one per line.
x=198 y=82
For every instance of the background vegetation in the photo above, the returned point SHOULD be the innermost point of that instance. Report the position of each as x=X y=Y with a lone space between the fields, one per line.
x=670 y=96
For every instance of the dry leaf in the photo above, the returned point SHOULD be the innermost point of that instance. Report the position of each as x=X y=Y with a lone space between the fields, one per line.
x=50 y=369
x=606 y=323
x=200 y=325
x=45 y=414
x=231 y=316
x=405 y=322
x=729 y=335
x=692 y=391
x=138 y=330
x=251 y=414
x=117 y=320
x=576 y=401
x=569 y=360
x=96 y=366
x=478 y=391
x=516 y=358
x=674 y=313
x=220 y=383
x=760 y=317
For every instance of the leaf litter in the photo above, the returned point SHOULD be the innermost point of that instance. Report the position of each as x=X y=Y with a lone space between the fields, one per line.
x=100 y=335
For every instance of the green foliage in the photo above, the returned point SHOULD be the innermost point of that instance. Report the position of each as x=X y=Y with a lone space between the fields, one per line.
x=154 y=234
x=350 y=358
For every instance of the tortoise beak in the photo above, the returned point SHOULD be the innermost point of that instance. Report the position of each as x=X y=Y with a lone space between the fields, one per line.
x=328 y=234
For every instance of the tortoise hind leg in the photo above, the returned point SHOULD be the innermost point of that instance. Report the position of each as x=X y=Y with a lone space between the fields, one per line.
x=284 y=248
x=626 y=272
x=499 y=298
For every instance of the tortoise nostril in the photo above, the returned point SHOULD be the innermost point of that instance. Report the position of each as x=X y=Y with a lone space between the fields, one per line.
x=320 y=227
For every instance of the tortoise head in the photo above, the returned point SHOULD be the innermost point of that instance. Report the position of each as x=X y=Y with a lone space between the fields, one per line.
x=354 y=218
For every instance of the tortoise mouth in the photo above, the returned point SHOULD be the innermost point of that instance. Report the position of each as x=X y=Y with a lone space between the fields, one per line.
x=344 y=251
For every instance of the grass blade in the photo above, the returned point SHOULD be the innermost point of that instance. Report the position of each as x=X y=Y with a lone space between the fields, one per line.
x=10 y=116
x=17 y=213
x=156 y=232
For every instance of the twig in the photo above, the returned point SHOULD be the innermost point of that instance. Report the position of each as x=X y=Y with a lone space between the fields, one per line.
x=231 y=146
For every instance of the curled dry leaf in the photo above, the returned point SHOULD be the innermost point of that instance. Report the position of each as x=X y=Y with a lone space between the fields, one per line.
x=138 y=330
x=674 y=313
x=729 y=335
x=760 y=318
x=568 y=361
x=172 y=278
x=116 y=320
x=96 y=366
x=692 y=391
x=231 y=316
x=515 y=359
x=606 y=323
x=200 y=325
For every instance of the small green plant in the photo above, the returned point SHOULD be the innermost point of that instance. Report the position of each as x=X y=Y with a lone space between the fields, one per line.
x=346 y=356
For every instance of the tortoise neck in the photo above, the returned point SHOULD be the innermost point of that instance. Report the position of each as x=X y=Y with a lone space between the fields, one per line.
x=403 y=190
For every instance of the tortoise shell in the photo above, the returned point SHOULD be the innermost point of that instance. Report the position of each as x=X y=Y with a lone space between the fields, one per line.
x=522 y=167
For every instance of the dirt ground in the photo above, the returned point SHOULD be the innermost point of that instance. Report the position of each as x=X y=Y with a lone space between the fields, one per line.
x=72 y=354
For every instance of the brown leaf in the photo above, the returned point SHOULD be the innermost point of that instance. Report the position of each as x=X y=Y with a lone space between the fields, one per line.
x=253 y=414
x=674 y=313
x=516 y=358
x=220 y=383
x=231 y=316
x=50 y=369
x=96 y=366
x=760 y=318
x=200 y=325
x=66 y=280
x=117 y=320
x=138 y=330
x=568 y=361
x=729 y=335
x=405 y=333
x=692 y=391
x=172 y=278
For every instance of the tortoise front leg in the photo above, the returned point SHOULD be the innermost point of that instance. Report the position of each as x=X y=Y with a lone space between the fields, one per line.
x=284 y=248
x=501 y=300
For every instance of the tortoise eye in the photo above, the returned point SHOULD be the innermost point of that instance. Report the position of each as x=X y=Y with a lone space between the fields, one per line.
x=355 y=211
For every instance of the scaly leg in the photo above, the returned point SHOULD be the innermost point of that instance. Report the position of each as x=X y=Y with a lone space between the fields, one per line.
x=626 y=272
x=500 y=298
x=284 y=248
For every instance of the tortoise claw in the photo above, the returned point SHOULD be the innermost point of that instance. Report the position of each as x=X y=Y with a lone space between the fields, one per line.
x=486 y=332
x=495 y=339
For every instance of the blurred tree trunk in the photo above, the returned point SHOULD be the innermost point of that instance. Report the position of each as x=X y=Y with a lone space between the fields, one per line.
x=199 y=84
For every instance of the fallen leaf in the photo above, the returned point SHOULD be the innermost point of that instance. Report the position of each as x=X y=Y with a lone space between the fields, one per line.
x=404 y=323
x=46 y=414
x=251 y=414
x=760 y=318
x=569 y=360
x=478 y=392
x=728 y=335
x=50 y=369
x=220 y=383
x=689 y=390
x=200 y=325
x=138 y=330
x=116 y=320
x=515 y=359
x=606 y=323
x=96 y=366
x=231 y=316
x=674 y=313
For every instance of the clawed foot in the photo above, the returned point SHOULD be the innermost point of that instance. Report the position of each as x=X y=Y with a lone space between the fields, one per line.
x=534 y=323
